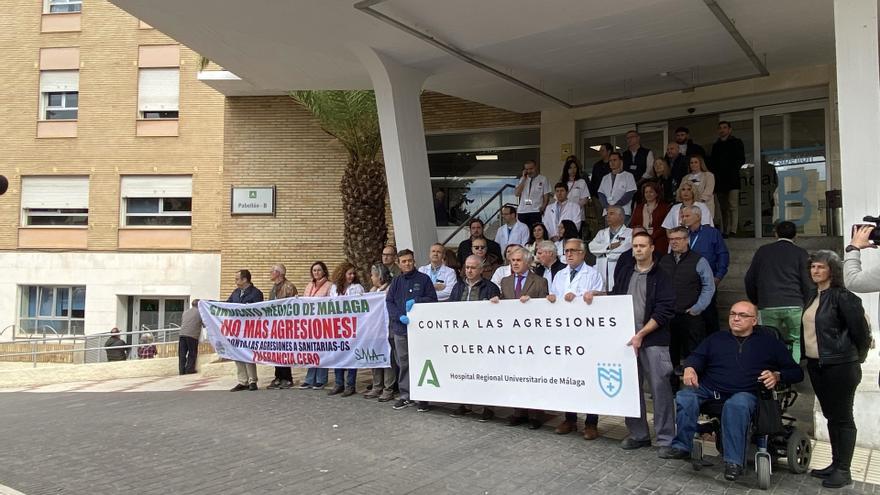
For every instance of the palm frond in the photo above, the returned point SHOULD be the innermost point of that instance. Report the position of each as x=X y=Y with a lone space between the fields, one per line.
x=350 y=116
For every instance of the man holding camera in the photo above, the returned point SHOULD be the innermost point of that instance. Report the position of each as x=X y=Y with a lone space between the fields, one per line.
x=854 y=278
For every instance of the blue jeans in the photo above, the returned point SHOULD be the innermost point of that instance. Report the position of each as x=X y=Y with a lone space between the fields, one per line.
x=735 y=418
x=317 y=376
x=339 y=376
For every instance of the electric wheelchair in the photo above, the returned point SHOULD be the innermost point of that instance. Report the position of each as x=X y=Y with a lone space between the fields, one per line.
x=789 y=442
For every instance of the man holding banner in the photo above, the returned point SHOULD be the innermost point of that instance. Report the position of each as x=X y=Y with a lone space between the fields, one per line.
x=575 y=281
x=245 y=293
x=653 y=307
x=523 y=284
x=408 y=288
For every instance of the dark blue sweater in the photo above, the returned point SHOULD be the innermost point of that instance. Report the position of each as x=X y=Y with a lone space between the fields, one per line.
x=725 y=365
x=406 y=286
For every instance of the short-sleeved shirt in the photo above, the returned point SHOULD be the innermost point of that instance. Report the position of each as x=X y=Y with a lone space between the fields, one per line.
x=532 y=197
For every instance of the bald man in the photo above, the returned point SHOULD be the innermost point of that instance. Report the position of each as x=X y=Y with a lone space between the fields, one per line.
x=729 y=366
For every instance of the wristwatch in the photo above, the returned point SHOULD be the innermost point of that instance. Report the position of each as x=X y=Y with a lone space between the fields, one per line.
x=851 y=248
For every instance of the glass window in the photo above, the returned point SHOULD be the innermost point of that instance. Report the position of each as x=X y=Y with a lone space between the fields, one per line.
x=57 y=217
x=64 y=6
x=62 y=106
x=169 y=212
x=52 y=310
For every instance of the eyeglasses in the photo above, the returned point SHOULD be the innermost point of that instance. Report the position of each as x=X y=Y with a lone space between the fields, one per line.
x=569 y=251
x=741 y=315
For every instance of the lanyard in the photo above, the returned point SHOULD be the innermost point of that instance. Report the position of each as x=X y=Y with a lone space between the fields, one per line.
x=434 y=274
x=694 y=241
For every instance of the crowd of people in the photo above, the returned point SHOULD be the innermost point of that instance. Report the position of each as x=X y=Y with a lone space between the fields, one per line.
x=670 y=258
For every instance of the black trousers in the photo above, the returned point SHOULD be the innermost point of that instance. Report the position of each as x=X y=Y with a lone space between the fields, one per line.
x=835 y=387
x=187 y=352
x=528 y=219
x=710 y=315
x=687 y=331
x=284 y=373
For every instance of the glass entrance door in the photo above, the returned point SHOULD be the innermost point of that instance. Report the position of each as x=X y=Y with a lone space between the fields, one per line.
x=158 y=313
x=794 y=165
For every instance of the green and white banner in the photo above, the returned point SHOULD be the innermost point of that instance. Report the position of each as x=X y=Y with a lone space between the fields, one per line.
x=562 y=356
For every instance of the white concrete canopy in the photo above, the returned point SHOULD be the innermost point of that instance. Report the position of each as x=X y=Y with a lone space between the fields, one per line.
x=578 y=51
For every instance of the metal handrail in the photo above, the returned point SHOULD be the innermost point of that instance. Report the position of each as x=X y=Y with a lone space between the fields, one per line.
x=482 y=207
x=7 y=327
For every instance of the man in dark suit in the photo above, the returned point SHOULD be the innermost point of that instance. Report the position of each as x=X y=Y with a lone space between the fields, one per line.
x=523 y=284
x=548 y=264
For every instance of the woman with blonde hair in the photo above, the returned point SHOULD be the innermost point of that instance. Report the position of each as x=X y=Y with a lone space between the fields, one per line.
x=703 y=180
x=687 y=196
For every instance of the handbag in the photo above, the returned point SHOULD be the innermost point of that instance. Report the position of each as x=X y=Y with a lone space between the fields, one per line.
x=768 y=416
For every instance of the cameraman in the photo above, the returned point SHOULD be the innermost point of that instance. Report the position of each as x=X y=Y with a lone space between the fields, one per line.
x=855 y=279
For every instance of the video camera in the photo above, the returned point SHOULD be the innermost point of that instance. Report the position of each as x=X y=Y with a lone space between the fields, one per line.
x=874 y=222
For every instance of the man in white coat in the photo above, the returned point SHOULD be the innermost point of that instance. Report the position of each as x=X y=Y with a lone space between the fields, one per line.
x=562 y=209
x=512 y=231
x=504 y=270
x=577 y=280
x=608 y=245
x=618 y=187
x=442 y=276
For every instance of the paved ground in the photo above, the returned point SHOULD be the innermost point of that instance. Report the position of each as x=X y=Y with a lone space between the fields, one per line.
x=188 y=435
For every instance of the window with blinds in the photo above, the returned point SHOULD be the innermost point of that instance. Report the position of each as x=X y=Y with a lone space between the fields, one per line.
x=157 y=200
x=158 y=93
x=62 y=6
x=59 y=94
x=54 y=201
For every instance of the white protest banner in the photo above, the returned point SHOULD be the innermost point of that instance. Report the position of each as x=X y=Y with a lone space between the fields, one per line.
x=302 y=332
x=540 y=355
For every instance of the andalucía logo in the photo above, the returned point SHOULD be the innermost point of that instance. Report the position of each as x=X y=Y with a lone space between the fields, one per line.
x=429 y=368
x=610 y=378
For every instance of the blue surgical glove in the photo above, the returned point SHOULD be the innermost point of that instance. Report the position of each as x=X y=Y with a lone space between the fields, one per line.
x=404 y=319
x=409 y=304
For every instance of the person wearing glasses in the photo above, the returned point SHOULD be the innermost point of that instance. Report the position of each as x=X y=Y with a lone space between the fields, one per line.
x=389 y=259
x=576 y=281
x=480 y=249
x=693 y=286
x=727 y=366
x=465 y=247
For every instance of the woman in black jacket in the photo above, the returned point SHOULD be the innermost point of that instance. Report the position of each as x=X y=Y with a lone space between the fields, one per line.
x=835 y=341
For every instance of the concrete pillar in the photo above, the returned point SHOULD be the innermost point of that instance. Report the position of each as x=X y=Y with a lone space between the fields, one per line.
x=403 y=145
x=858 y=100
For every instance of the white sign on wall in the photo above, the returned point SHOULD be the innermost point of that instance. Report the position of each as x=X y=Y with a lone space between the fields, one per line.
x=540 y=355
x=253 y=200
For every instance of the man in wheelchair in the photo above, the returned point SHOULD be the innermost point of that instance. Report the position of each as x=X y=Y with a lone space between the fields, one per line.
x=726 y=367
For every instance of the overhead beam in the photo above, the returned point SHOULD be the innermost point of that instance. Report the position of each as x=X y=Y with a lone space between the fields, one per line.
x=737 y=36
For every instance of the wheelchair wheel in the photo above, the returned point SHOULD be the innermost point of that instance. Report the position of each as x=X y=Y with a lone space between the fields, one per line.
x=799 y=450
x=762 y=465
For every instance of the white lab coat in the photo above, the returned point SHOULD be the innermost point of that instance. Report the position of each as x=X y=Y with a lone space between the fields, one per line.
x=586 y=279
x=623 y=183
x=606 y=259
x=672 y=221
x=507 y=235
x=444 y=275
x=500 y=272
x=568 y=211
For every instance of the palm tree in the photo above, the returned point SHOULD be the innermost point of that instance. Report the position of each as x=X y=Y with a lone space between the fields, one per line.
x=352 y=118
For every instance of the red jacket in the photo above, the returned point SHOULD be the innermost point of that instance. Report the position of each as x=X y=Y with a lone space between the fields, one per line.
x=661 y=244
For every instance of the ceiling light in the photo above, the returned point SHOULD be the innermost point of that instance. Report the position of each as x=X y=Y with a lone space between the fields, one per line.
x=596 y=148
x=486 y=157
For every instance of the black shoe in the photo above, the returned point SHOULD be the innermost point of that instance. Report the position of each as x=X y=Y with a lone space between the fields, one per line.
x=630 y=443
x=402 y=404
x=838 y=479
x=238 y=388
x=673 y=453
x=824 y=472
x=423 y=407
x=304 y=386
x=460 y=412
x=517 y=420
x=285 y=384
x=275 y=384
x=487 y=415
x=252 y=386
x=534 y=424
x=349 y=391
x=336 y=390
x=732 y=471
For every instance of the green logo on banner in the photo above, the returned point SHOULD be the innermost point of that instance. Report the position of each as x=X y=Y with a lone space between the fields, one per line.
x=252 y=194
x=425 y=369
